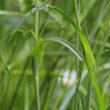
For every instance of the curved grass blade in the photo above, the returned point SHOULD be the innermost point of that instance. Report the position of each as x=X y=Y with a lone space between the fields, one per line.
x=6 y=66
x=90 y=62
x=87 y=50
x=66 y=44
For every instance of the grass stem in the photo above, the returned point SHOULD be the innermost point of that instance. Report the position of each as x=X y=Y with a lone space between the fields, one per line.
x=36 y=69
x=88 y=95
x=77 y=60
x=37 y=19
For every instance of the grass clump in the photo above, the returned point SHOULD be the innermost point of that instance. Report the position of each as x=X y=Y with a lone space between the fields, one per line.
x=54 y=55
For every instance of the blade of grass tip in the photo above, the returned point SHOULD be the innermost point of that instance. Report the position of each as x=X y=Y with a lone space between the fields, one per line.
x=99 y=18
x=68 y=45
x=9 y=13
x=18 y=84
x=77 y=60
x=6 y=66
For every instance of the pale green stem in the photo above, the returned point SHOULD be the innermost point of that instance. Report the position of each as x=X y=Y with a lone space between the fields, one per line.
x=37 y=89
x=36 y=69
x=77 y=60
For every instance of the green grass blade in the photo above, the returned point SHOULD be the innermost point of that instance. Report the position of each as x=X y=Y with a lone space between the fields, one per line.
x=87 y=50
x=98 y=93
x=6 y=66
x=77 y=10
x=68 y=45
x=99 y=18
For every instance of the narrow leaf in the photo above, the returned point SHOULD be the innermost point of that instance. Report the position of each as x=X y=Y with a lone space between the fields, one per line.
x=68 y=45
x=6 y=66
x=87 y=50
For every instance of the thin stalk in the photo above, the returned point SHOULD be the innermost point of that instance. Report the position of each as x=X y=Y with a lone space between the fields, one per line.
x=77 y=60
x=92 y=34
x=88 y=95
x=37 y=19
x=36 y=81
x=36 y=69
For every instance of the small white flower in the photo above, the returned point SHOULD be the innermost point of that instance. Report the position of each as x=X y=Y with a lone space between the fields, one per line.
x=68 y=78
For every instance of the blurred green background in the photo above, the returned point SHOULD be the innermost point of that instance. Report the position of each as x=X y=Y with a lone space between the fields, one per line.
x=58 y=70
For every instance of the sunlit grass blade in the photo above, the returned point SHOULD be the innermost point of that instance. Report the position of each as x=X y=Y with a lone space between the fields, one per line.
x=87 y=50
x=68 y=45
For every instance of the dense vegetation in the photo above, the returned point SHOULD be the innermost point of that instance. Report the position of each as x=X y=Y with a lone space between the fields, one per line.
x=55 y=55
